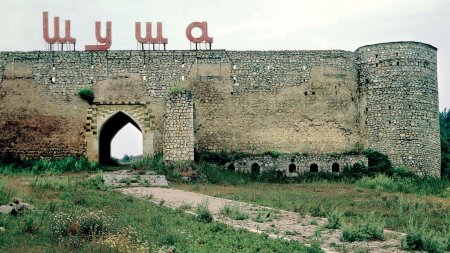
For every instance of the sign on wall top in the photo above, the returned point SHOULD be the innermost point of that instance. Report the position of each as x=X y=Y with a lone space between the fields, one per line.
x=104 y=43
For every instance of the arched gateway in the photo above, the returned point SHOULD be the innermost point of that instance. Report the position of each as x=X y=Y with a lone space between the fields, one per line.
x=105 y=120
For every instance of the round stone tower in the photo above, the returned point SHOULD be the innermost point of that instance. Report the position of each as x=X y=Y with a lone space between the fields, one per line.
x=399 y=103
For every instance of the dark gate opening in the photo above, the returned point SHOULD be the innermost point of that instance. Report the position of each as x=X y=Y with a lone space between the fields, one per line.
x=109 y=129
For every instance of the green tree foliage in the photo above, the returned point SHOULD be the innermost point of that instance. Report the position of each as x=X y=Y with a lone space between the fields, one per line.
x=444 y=120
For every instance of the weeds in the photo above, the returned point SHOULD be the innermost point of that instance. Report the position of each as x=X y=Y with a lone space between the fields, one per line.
x=420 y=236
x=5 y=194
x=185 y=206
x=410 y=184
x=180 y=87
x=87 y=224
x=370 y=228
x=95 y=182
x=334 y=219
x=266 y=215
x=29 y=224
x=203 y=213
x=44 y=166
x=234 y=212
x=52 y=183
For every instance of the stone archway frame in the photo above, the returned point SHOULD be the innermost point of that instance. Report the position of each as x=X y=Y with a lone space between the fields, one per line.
x=99 y=113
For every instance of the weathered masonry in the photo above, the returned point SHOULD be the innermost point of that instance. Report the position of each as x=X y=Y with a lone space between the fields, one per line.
x=381 y=96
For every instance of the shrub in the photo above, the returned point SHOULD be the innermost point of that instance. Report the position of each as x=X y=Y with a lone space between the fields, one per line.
x=378 y=162
x=216 y=175
x=203 y=213
x=371 y=228
x=356 y=171
x=272 y=153
x=422 y=237
x=29 y=224
x=380 y=181
x=271 y=176
x=334 y=219
x=221 y=157
x=154 y=163
x=95 y=182
x=234 y=212
x=86 y=94
x=309 y=177
x=318 y=210
x=180 y=87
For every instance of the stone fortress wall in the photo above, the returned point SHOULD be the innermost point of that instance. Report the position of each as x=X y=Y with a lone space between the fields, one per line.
x=308 y=102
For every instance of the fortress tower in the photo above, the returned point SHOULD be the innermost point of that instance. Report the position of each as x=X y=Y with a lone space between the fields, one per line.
x=399 y=103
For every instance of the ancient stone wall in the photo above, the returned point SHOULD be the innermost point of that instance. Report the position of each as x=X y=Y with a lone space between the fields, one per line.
x=33 y=123
x=382 y=96
x=291 y=101
x=179 y=127
x=400 y=109
x=293 y=164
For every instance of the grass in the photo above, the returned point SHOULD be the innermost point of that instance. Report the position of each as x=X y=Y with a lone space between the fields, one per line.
x=321 y=198
x=335 y=219
x=369 y=228
x=399 y=201
x=48 y=166
x=179 y=88
x=203 y=213
x=73 y=214
x=425 y=238
x=410 y=184
x=266 y=215
x=234 y=212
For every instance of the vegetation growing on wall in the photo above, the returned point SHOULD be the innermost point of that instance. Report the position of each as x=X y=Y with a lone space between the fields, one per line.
x=180 y=87
x=86 y=94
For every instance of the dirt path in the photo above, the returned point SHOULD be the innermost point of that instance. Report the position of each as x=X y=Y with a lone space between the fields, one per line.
x=273 y=222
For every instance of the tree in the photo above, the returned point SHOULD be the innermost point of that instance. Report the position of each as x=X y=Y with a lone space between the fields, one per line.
x=444 y=121
x=126 y=158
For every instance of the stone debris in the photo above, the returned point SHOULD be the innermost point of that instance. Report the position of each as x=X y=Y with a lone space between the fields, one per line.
x=15 y=206
x=133 y=178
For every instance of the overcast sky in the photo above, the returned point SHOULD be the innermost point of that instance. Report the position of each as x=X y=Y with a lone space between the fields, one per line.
x=244 y=25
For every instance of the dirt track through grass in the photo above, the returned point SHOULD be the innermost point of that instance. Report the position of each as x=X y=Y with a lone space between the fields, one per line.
x=282 y=224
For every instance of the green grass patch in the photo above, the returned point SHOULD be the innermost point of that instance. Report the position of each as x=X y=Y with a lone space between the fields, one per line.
x=203 y=213
x=370 y=228
x=48 y=166
x=321 y=198
x=234 y=212
x=410 y=184
x=85 y=219
x=420 y=236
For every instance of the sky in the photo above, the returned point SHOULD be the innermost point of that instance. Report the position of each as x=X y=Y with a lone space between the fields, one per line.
x=242 y=25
